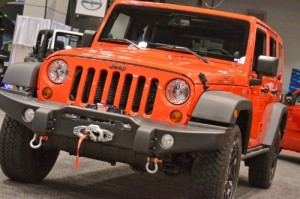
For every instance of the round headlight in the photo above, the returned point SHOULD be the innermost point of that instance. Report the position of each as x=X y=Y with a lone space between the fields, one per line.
x=178 y=91
x=58 y=71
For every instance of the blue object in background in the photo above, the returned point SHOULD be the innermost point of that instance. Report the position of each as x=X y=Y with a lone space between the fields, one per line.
x=295 y=80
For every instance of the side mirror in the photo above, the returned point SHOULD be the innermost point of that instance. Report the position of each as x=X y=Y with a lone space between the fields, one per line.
x=267 y=66
x=88 y=37
x=289 y=98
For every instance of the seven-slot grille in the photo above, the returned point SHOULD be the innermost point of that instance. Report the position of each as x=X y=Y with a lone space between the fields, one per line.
x=117 y=88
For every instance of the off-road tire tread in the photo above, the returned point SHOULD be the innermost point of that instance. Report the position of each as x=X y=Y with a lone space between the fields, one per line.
x=18 y=161
x=208 y=173
x=259 y=167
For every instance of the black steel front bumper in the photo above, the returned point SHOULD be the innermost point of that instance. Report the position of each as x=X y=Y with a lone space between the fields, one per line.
x=58 y=120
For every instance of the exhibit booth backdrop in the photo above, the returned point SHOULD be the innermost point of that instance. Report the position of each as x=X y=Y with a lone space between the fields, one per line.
x=25 y=34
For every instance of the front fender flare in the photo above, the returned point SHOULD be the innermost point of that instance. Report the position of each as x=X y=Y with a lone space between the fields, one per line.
x=219 y=106
x=22 y=74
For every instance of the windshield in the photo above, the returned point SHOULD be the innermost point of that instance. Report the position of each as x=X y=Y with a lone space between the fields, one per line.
x=207 y=35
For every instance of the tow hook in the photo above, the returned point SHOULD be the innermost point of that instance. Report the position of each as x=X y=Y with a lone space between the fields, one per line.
x=152 y=162
x=38 y=138
x=94 y=132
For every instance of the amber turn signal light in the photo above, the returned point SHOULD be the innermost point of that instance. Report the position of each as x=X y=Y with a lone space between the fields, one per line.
x=236 y=113
x=47 y=93
x=176 y=116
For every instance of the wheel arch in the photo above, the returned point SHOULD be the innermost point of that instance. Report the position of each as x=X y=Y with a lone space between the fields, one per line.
x=277 y=121
x=227 y=109
x=244 y=123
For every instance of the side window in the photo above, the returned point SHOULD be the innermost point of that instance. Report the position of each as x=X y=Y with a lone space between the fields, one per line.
x=120 y=27
x=280 y=55
x=260 y=47
x=272 y=47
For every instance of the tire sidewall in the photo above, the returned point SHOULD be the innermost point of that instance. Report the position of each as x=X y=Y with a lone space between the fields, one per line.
x=274 y=149
x=19 y=161
x=262 y=167
x=238 y=145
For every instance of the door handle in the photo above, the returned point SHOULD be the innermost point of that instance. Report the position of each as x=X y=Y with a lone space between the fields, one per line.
x=265 y=89
x=274 y=91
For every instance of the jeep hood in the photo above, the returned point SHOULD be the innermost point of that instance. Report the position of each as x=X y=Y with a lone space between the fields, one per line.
x=216 y=71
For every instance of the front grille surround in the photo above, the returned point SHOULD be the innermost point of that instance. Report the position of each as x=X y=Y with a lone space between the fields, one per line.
x=116 y=88
x=153 y=102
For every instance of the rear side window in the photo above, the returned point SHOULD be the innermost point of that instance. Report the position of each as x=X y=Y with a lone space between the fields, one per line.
x=260 y=47
x=280 y=55
x=272 y=47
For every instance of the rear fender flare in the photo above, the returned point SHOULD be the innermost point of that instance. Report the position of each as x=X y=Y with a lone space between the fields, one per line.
x=277 y=121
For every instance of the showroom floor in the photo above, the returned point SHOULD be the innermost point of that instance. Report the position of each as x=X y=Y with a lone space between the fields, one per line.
x=96 y=179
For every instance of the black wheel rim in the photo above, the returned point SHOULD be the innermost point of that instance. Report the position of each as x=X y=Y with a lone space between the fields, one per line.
x=232 y=178
x=274 y=161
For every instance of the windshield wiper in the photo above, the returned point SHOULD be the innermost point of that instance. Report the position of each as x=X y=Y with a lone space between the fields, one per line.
x=118 y=40
x=183 y=49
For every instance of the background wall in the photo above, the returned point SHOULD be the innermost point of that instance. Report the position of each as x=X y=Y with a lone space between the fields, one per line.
x=81 y=22
x=281 y=15
x=50 y=9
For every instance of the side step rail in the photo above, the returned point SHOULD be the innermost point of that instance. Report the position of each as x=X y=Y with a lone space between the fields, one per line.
x=255 y=151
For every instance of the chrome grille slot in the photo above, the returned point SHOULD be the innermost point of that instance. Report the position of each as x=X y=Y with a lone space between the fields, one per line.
x=76 y=81
x=138 y=94
x=125 y=91
x=113 y=88
x=88 y=84
x=151 y=96
x=100 y=87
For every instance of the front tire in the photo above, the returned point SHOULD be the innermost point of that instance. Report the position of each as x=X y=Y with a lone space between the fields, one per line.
x=215 y=173
x=18 y=160
x=262 y=168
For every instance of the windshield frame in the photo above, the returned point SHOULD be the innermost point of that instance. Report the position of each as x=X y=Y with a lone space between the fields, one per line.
x=123 y=8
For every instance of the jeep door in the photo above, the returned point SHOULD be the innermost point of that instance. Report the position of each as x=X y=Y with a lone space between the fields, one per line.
x=265 y=95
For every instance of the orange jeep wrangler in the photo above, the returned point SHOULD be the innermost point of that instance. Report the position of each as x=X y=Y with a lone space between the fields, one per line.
x=161 y=87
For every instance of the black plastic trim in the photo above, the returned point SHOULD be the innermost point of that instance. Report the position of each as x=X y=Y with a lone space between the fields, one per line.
x=144 y=136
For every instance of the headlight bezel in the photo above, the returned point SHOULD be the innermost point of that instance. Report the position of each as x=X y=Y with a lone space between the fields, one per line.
x=180 y=96
x=56 y=75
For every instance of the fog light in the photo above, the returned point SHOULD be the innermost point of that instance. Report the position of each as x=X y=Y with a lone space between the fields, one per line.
x=47 y=93
x=176 y=116
x=167 y=141
x=29 y=115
